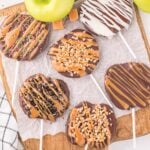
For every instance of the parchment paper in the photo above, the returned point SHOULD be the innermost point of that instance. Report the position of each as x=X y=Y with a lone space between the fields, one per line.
x=112 y=51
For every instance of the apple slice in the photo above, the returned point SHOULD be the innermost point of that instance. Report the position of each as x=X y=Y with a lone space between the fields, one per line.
x=49 y=10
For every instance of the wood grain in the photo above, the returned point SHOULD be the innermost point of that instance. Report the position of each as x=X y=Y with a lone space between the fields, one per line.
x=124 y=125
x=59 y=141
x=11 y=10
x=123 y=132
x=143 y=33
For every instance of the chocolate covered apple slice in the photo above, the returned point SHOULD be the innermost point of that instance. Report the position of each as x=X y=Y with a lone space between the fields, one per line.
x=76 y=54
x=44 y=97
x=22 y=37
x=128 y=85
x=106 y=17
x=91 y=124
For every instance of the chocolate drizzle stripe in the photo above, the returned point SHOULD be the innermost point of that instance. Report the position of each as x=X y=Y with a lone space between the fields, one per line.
x=65 y=99
x=30 y=45
x=41 y=97
x=131 y=96
x=62 y=101
x=50 y=87
x=9 y=19
x=19 y=29
x=14 y=22
x=97 y=16
x=33 y=44
x=128 y=77
x=38 y=47
x=34 y=30
x=25 y=30
x=131 y=77
x=42 y=109
x=30 y=28
x=120 y=91
x=128 y=82
x=107 y=18
x=40 y=102
x=91 y=124
x=110 y=16
x=45 y=95
x=140 y=75
x=76 y=54
x=146 y=69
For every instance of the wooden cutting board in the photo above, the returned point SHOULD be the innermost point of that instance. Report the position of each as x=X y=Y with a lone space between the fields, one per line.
x=59 y=141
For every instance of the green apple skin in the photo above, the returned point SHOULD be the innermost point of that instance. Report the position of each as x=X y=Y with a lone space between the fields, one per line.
x=49 y=10
x=143 y=5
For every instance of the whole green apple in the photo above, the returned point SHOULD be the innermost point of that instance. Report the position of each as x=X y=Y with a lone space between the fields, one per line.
x=143 y=5
x=49 y=10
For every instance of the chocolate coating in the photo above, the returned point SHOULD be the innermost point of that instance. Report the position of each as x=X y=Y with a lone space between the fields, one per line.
x=76 y=54
x=22 y=37
x=92 y=124
x=106 y=17
x=44 y=98
x=128 y=85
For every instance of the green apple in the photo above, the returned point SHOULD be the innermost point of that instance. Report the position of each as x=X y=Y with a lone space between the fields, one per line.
x=49 y=10
x=143 y=5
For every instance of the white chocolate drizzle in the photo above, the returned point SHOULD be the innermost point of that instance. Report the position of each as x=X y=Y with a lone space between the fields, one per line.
x=106 y=17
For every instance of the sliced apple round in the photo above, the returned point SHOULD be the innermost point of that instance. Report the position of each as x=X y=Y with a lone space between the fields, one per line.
x=49 y=10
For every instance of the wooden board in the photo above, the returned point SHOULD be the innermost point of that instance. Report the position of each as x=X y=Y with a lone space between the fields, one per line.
x=59 y=141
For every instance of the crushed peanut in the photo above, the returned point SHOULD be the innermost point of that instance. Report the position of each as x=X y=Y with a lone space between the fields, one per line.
x=92 y=124
x=74 y=55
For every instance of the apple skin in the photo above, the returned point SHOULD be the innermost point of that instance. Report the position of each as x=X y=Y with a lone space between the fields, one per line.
x=49 y=10
x=143 y=5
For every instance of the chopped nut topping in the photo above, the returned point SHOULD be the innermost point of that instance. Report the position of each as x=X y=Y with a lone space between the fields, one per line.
x=77 y=54
x=92 y=124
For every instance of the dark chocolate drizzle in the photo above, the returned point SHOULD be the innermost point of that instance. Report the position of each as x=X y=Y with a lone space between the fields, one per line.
x=45 y=98
x=128 y=85
x=76 y=54
x=91 y=121
x=22 y=37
